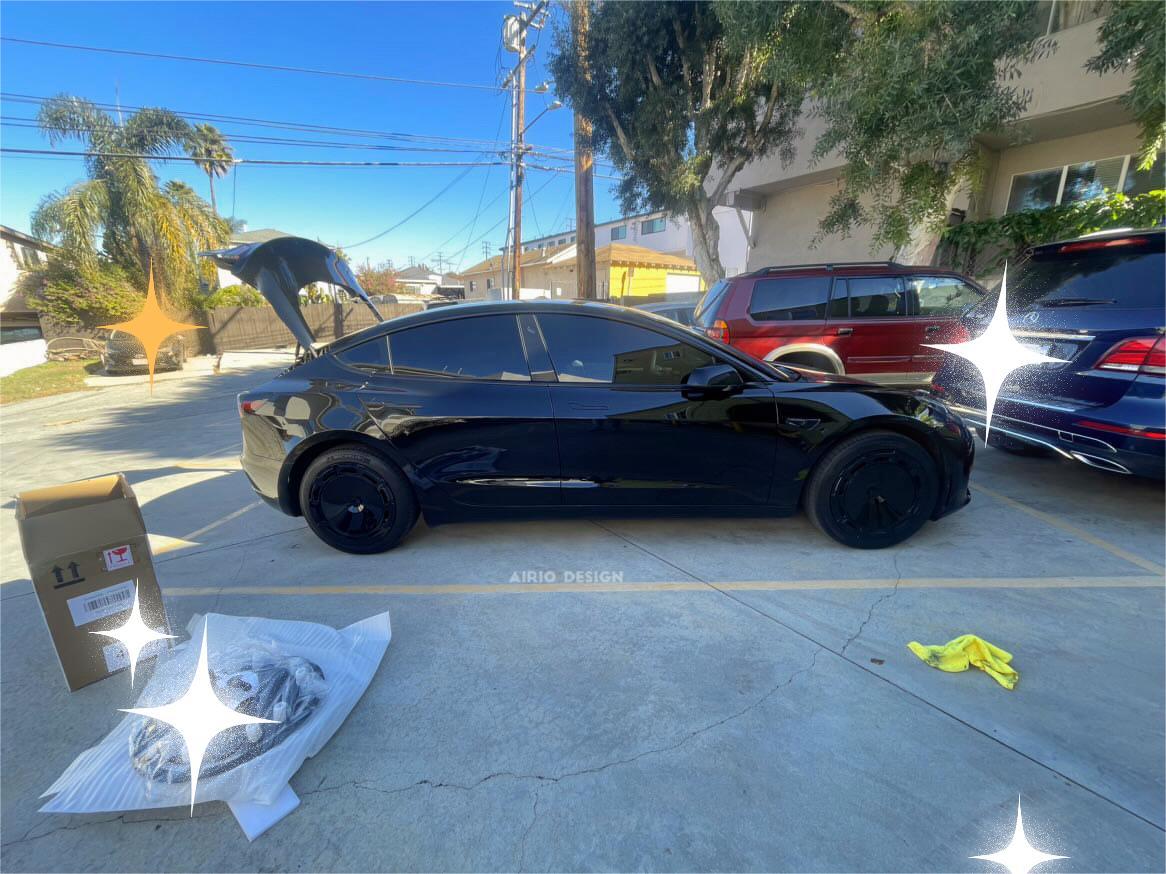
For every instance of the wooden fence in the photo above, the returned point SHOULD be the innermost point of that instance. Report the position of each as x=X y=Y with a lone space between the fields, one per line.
x=237 y=328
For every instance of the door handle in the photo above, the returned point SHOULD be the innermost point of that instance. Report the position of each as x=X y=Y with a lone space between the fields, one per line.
x=845 y=332
x=931 y=329
x=587 y=407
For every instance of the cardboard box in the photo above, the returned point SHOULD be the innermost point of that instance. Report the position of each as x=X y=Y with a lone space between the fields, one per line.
x=87 y=549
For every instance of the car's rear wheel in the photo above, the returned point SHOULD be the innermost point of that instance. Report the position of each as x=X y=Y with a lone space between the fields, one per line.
x=357 y=501
x=873 y=490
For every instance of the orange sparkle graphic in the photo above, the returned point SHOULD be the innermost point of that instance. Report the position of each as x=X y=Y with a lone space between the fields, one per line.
x=151 y=327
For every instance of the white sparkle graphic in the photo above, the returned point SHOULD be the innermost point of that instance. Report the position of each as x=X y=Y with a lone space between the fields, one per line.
x=1019 y=857
x=995 y=353
x=198 y=716
x=135 y=635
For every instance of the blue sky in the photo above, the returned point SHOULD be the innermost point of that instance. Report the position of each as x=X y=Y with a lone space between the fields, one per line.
x=451 y=42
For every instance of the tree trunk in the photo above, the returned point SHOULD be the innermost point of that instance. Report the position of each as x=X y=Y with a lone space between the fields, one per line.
x=214 y=206
x=706 y=238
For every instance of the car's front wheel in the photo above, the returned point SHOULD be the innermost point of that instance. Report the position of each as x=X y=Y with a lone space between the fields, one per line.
x=357 y=501
x=873 y=490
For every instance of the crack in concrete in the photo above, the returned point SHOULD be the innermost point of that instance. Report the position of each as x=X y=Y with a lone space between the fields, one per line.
x=28 y=837
x=874 y=606
x=526 y=833
x=595 y=769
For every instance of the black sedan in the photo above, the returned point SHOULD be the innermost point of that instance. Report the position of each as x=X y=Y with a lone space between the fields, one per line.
x=553 y=407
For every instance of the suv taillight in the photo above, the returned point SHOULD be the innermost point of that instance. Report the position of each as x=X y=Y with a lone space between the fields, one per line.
x=1137 y=355
x=718 y=331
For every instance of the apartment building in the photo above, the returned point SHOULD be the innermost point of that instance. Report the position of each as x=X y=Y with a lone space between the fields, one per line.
x=1074 y=141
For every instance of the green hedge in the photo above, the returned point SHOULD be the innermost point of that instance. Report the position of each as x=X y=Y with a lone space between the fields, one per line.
x=982 y=246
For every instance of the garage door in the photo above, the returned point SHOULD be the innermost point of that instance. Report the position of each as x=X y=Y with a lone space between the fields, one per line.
x=679 y=283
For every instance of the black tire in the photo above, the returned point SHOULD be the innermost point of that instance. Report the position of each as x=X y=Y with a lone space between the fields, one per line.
x=1014 y=446
x=873 y=490
x=357 y=501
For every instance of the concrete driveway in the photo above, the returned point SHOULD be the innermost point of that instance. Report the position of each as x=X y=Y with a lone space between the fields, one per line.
x=694 y=694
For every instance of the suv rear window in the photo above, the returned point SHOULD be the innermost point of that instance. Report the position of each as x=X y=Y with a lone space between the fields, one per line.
x=1131 y=278
x=710 y=304
x=790 y=298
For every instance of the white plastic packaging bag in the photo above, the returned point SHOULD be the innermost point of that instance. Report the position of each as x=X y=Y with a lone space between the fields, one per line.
x=104 y=777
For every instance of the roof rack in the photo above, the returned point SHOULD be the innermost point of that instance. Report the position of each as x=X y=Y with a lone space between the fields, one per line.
x=830 y=266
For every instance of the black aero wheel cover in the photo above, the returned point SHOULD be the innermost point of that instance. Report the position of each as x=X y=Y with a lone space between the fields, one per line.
x=880 y=494
x=352 y=503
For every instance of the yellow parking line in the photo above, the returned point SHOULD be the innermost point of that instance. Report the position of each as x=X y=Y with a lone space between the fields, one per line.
x=1130 y=582
x=1069 y=528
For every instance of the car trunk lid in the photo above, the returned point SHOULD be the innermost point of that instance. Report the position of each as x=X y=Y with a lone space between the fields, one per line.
x=279 y=268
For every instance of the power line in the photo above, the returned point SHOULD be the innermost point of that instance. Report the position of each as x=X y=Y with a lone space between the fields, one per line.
x=280 y=68
x=31 y=123
x=545 y=152
x=252 y=121
x=455 y=181
x=255 y=162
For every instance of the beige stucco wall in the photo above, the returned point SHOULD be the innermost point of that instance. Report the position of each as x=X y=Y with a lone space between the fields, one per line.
x=1107 y=143
x=1058 y=83
x=787 y=226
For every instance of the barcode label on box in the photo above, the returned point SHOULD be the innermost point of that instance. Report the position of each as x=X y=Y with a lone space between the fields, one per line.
x=104 y=602
x=116 y=657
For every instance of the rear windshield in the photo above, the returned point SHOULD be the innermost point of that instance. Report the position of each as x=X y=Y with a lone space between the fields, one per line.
x=710 y=305
x=1129 y=278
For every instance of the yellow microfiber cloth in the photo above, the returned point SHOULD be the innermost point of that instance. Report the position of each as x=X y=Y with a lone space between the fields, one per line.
x=967 y=649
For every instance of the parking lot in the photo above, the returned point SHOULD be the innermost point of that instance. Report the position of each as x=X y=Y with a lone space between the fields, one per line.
x=677 y=694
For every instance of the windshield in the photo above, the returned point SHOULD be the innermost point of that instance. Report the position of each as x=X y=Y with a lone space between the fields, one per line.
x=706 y=310
x=1130 y=278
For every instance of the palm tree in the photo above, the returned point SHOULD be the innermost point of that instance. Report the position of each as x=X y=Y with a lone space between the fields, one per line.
x=120 y=211
x=211 y=153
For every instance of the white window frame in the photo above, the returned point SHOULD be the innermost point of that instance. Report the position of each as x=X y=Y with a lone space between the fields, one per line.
x=1121 y=181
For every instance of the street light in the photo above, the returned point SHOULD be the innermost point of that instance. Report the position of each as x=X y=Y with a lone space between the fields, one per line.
x=542 y=87
x=551 y=107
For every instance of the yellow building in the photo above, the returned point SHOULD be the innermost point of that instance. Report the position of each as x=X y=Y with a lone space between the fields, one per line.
x=623 y=274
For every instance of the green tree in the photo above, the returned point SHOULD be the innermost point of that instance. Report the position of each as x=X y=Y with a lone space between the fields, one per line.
x=121 y=214
x=684 y=95
x=211 y=153
x=1134 y=35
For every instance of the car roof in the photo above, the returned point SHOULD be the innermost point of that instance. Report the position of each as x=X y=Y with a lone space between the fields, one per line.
x=848 y=268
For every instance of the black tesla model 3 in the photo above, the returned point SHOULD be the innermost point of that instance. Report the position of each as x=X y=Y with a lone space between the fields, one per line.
x=570 y=407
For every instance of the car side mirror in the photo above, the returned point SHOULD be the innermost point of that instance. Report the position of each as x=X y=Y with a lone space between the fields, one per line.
x=715 y=376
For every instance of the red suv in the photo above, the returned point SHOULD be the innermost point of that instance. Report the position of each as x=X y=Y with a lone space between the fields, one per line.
x=867 y=319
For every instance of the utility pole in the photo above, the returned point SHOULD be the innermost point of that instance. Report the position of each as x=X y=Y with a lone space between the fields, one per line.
x=584 y=164
x=514 y=31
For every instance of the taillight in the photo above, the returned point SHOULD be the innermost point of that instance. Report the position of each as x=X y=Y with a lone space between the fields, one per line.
x=1089 y=245
x=1137 y=355
x=1130 y=431
x=250 y=406
x=718 y=331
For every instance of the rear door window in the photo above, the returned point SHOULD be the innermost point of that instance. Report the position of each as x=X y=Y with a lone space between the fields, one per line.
x=790 y=299
x=940 y=295
x=877 y=297
x=588 y=349
x=479 y=347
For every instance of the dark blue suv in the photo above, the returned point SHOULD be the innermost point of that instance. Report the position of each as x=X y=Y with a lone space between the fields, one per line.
x=1098 y=303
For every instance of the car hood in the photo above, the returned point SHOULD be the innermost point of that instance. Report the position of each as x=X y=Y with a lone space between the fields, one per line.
x=279 y=268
